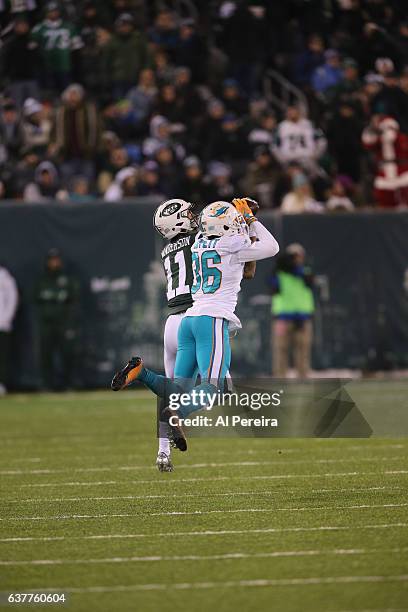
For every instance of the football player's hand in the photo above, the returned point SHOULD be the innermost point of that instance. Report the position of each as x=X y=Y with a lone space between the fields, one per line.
x=242 y=207
x=253 y=205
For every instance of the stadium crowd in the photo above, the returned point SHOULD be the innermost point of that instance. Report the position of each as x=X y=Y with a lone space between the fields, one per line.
x=121 y=98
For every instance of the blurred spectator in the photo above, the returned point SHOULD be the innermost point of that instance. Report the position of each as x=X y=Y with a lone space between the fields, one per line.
x=292 y=309
x=24 y=173
x=208 y=133
x=308 y=60
x=8 y=308
x=76 y=133
x=391 y=100
x=19 y=63
x=328 y=74
x=301 y=199
x=402 y=42
x=11 y=133
x=263 y=132
x=149 y=183
x=374 y=43
x=142 y=97
x=384 y=66
x=56 y=41
x=14 y=8
x=164 y=32
x=220 y=177
x=193 y=186
x=241 y=21
x=169 y=170
x=36 y=127
x=161 y=135
x=260 y=178
x=80 y=190
x=93 y=16
x=118 y=7
x=57 y=299
x=93 y=60
x=170 y=104
x=123 y=186
x=117 y=159
x=192 y=102
x=298 y=140
x=45 y=185
x=348 y=85
x=191 y=50
x=164 y=69
x=127 y=117
x=338 y=199
x=371 y=87
x=126 y=55
x=233 y=99
x=229 y=144
x=284 y=181
x=344 y=137
x=390 y=147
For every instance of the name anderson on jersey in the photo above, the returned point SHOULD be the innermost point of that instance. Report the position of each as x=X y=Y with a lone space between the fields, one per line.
x=175 y=246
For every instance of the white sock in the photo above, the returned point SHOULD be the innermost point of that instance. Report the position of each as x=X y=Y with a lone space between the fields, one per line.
x=164 y=443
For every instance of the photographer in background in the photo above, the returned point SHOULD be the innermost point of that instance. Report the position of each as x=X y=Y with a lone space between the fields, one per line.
x=8 y=307
x=292 y=309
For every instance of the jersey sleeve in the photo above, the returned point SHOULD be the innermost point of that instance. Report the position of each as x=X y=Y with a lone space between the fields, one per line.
x=265 y=246
x=252 y=231
x=232 y=244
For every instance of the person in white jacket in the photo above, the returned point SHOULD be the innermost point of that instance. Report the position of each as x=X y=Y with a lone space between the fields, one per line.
x=297 y=140
x=124 y=185
x=8 y=308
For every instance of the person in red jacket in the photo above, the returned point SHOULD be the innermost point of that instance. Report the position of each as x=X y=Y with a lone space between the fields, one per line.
x=390 y=146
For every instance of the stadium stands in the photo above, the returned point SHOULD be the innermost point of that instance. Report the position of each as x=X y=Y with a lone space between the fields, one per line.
x=128 y=98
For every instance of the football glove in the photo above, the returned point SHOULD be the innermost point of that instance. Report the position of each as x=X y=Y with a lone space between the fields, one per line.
x=243 y=205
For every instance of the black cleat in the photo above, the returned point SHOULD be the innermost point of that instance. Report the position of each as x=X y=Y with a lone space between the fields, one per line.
x=176 y=434
x=128 y=374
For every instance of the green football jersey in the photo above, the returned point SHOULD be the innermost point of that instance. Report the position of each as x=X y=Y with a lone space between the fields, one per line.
x=176 y=259
x=56 y=40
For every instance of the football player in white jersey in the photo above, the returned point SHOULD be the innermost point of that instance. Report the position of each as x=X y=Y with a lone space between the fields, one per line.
x=176 y=221
x=219 y=254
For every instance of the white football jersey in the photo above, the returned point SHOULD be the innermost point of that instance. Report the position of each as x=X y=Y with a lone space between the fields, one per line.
x=298 y=140
x=217 y=268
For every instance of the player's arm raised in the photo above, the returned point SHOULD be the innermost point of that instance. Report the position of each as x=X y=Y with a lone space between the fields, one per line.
x=239 y=203
x=250 y=266
x=265 y=245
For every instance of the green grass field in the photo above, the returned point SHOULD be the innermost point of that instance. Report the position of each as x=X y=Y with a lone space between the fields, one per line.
x=247 y=524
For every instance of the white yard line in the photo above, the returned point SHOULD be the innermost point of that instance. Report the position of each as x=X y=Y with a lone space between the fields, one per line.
x=273 y=449
x=372 y=443
x=83 y=396
x=50 y=500
x=196 y=512
x=220 y=557
x=205 y=533
x=279 y=582
x=172 y=481
x=127 y=468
